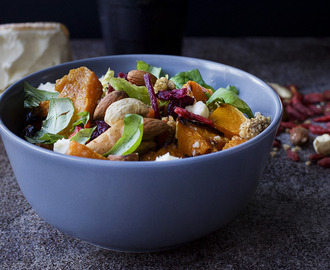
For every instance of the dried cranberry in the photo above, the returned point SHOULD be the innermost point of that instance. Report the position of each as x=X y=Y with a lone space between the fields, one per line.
x=122 y=75
x=29 y=131
x=173 y=94
x=101 y=127
x=181 y=102
x=152 y=95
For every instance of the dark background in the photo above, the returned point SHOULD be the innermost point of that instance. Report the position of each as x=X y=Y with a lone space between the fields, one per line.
x=205 y=18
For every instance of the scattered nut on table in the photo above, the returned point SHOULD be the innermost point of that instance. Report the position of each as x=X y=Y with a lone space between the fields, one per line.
x=322 y=144
x=299 y=135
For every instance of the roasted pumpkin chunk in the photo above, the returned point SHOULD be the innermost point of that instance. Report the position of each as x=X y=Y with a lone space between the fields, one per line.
x=234 y=141
x=228 y=119
x=169 y=148
x=80 y=150
x=198 y=139
x=83 y=87
x=197 y=91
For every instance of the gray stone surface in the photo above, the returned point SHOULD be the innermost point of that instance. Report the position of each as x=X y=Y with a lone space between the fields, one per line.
x=285 y=226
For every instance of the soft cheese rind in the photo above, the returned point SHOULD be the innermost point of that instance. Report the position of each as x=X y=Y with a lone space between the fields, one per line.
x=28 y=47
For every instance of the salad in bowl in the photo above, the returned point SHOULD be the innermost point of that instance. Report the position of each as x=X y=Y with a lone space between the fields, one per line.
x=142 y=115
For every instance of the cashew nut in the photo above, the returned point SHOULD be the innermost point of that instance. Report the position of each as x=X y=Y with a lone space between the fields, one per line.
x=117 y=110
x=103 y=143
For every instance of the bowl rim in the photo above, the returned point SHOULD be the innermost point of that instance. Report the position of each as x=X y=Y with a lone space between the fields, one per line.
x=134 y=164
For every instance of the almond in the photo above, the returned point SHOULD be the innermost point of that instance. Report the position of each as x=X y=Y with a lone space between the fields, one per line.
x=146 y=146
x=105 y=102
x=137 y=77
x=130 y=157
x=154 y=127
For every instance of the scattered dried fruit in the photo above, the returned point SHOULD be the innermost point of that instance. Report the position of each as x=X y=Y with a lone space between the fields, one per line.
x=324 y=162
x=292 y=155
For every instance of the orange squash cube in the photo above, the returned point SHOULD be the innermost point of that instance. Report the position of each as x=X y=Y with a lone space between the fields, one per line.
x=197 y=91
x=83 y=87
x=228 y=119
x=80 y=150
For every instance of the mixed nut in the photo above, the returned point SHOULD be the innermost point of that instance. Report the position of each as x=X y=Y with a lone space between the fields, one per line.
x=307 y=119
x=142 y=115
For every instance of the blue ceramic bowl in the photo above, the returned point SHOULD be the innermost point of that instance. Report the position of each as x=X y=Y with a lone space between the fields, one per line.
x=140 y=206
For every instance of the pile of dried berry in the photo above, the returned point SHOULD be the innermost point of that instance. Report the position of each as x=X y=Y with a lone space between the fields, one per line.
x=306 y=117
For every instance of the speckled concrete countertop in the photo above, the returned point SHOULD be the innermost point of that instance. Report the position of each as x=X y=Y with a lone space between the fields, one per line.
x=285 y=226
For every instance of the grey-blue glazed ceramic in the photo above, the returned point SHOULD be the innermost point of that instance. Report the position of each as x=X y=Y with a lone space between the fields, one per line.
x=140 y=206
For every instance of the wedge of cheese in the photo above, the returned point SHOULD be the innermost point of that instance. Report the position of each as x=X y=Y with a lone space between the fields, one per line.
x=28 y=47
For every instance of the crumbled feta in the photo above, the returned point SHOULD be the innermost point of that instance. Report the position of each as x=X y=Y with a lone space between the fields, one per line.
x=61 y=146
x=47 y=87
x=196 y=144
x=166 y=157
x=199 y=108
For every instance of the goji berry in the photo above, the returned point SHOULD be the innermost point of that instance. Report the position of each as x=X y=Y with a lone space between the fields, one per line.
x=313 y=98
x=294 y=113
x=292 y=155
x=302 y=108
x=315 y=157
x=318 y=130
x=326 y=94
x=306 y=125
x=325 y=118
x=324 y=162
x=288 y=124
x=316 y=110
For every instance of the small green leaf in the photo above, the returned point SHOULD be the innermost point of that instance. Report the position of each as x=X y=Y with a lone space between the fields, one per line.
x=59 y=116
x=83 y=135
x=229 y=96
x=156 y=71
x=33 y=95
x=131 y=138
x=232 y=88
x=105 y=81
x=133 y=91
x=82 y=120
x=193 y=75
x=49 y=138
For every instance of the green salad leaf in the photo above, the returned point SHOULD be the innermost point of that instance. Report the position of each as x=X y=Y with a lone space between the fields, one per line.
x=83 y=135
x=105 y=80
x=193 y=75
x=33 y=95
x=229 y=95
x=84 y=118
x=59 y=116
x=49 y=138
x=131 y=138
x=156 y=71
x=233 y=89
x=133 y=91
